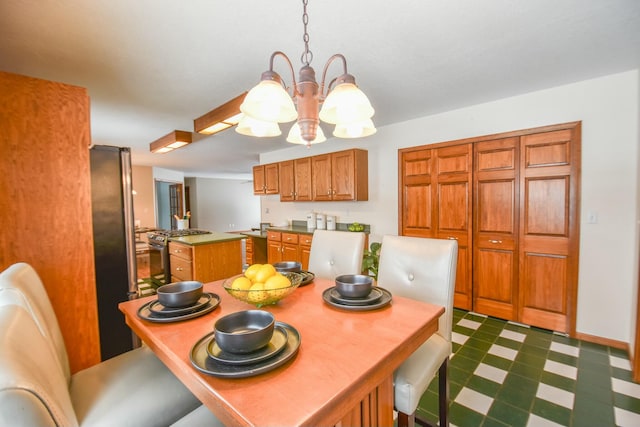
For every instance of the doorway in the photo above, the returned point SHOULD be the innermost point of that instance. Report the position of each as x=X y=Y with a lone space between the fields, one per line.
x=169 y=202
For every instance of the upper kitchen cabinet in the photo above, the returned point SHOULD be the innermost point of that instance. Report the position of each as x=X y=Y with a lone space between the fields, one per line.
x=340 y=176
x=265 y=179
x=295 y=180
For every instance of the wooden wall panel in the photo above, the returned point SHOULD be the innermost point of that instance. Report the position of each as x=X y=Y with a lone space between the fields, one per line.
x=45 y=203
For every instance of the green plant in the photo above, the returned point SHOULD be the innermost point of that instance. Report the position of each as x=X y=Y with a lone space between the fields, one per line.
x=371 y=258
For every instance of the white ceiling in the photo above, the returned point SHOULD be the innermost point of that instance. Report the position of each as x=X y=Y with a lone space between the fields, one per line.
x=152 y=66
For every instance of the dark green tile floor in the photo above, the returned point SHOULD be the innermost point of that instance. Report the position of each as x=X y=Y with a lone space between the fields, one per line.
x=507 y=374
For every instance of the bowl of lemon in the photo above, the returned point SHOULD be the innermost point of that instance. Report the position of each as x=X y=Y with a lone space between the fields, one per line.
x=261 y=284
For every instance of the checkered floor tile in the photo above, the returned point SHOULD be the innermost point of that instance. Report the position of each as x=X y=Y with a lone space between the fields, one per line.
x=506 y=374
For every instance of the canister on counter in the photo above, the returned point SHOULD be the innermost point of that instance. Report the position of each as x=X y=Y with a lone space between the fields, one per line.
x=331 y=222
x=311 y=221
x=321 y=221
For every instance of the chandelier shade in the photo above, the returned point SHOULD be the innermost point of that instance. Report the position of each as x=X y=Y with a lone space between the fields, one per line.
x=355 y=129
x=253 y=127
x=268 y=101
x=346 y=104
x=343 y=104
x=295 y=136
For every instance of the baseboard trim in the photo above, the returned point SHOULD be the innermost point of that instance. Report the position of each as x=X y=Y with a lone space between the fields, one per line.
x=603 y=341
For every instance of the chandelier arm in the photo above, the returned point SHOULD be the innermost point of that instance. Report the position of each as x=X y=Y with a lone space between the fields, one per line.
x=324 y=73
x=288 y=61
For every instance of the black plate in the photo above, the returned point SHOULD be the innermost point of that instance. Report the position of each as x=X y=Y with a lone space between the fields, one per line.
x=157 y=308
x=276 y=345
x=373 y=297
x=383 y=301
x=307 y=277
x=202 y=362
x=146 y=314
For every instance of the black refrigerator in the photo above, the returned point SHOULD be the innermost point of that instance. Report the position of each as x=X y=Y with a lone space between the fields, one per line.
x=114 y=244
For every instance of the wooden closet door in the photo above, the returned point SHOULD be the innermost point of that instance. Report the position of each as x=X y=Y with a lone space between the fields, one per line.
x=549 y=229
x=495 y=238
x=454 y=167
x=416 y=207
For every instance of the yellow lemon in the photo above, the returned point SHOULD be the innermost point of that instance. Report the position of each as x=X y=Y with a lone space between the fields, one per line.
x=241 y=283
x=251 y=271
x=265 y=271
x=257 y=293
x=277 y=285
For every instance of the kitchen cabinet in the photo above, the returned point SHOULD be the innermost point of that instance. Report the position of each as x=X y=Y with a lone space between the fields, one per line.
x=288 y=246
x=205 y=262
x=256 y=250
x=511 y=202
x=265 y=179
x=295 y=180
x=46 y=201
x=342 y=175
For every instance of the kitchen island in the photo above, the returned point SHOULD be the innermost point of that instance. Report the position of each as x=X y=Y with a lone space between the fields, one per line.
x=205 y=257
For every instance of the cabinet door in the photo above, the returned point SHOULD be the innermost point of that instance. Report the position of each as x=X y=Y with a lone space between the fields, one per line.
x=321 y=177
x=454 y=167
x=343 y=175
x=495 y=272
x=271 y=181
x=415 y=189
x=287 y=181
x=302 y=182
x=305 y=250
x=258 y=180
x=290 y=252
x=548 y=229
x=274 y=247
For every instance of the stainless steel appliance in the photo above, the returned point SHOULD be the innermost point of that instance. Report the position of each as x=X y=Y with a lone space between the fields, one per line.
x=159 y=252
x=114 y=244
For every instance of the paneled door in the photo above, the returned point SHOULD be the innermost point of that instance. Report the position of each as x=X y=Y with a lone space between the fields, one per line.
x=548 y=223
x=495 y=239
x=416 y=200
x=454 y=168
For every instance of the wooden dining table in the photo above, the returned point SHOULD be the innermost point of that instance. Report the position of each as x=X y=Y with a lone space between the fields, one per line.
x=342 y=373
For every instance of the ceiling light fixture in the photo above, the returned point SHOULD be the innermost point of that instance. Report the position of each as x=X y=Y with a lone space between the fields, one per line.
x=343 y=104
x=220 y=118
x=171 y=141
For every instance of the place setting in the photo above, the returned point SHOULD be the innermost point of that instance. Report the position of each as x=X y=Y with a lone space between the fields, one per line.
x=356 y=292
x=179 y=301
x=244 y=344
x=295 y=267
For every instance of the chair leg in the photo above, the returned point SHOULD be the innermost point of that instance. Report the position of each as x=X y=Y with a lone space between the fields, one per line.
x=443 y=393
x=405 y=420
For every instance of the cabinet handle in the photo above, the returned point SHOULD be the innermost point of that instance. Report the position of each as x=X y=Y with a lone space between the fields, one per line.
x=329 y=193
x=178 y=268
x=452 y=238
x=495 y=241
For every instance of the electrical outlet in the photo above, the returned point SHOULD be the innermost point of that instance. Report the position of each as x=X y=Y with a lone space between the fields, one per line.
x=592 y=217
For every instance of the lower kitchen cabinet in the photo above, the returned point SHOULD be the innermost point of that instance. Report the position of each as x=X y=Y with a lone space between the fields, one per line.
x=205 y=262
x=256 y=250
x=287 y=246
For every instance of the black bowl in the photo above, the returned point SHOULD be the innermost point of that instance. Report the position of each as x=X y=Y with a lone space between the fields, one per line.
x=244 y=331
x=354 y=285
x=180 y=294
x=294 y=266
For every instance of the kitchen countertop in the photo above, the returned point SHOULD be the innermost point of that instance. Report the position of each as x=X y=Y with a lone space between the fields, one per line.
x=257 y=234
x=204 y=239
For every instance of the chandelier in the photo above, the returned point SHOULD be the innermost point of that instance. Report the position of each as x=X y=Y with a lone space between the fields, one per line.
x=270 y=102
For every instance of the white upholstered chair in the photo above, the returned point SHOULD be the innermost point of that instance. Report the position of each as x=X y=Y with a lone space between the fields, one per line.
x=336 y=252
x=422 y=269
x=36 y=387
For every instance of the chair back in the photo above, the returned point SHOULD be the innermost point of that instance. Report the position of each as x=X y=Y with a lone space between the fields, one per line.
x=334 y=253
x=423 y=269
x=33 y=389
x=21 y=283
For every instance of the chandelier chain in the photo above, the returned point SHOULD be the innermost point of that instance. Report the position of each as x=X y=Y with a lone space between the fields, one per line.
x=307 y=55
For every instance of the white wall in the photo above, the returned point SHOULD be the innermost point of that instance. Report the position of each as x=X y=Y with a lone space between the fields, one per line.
x=609 y=110
x=223 y=204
